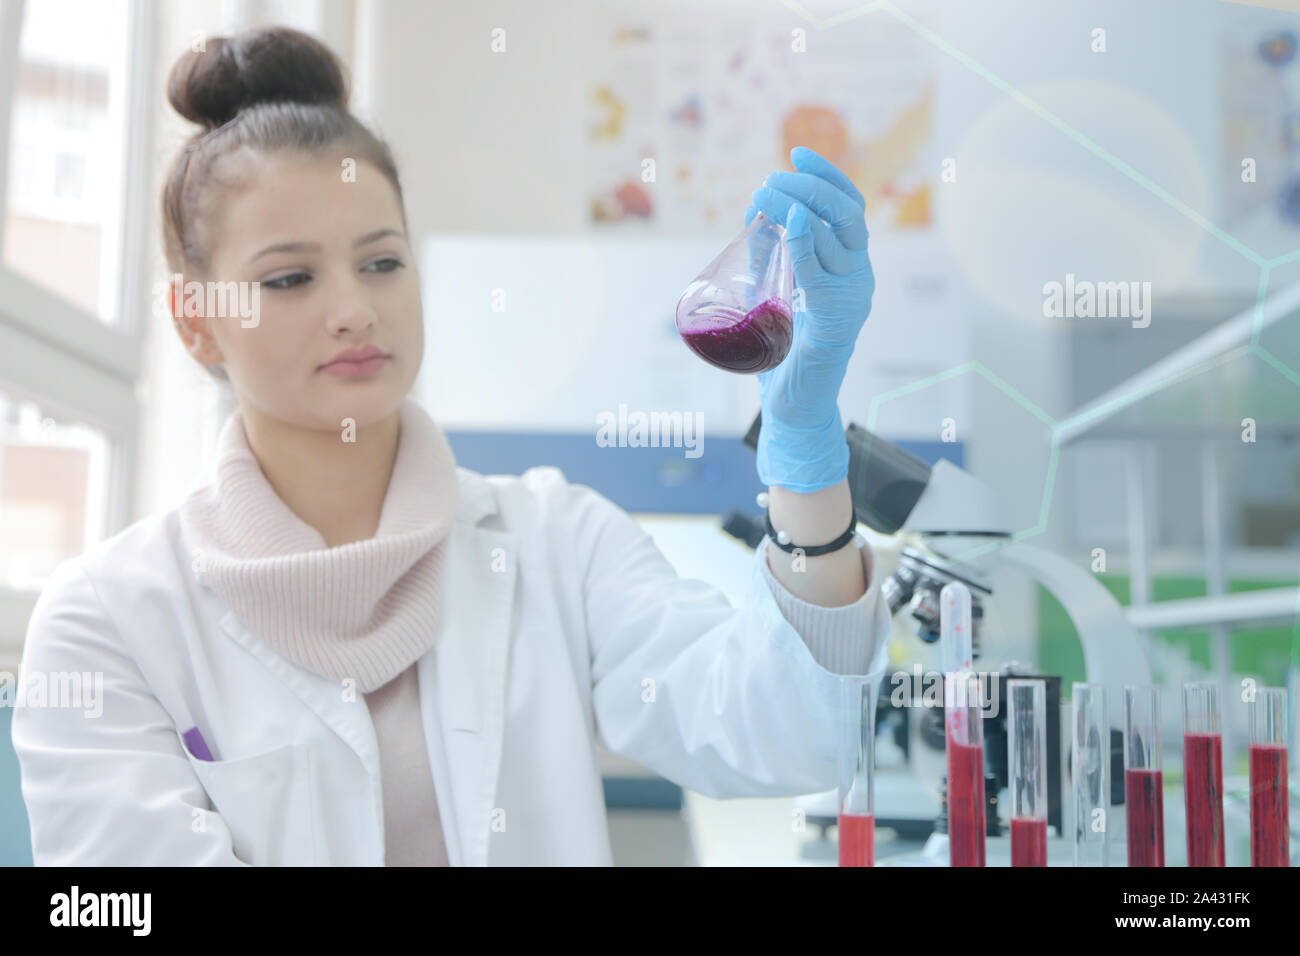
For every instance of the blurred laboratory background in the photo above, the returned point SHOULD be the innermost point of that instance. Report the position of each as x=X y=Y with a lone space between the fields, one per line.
x=569 y=167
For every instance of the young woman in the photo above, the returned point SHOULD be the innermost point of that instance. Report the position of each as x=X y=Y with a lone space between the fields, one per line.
x=346 y=649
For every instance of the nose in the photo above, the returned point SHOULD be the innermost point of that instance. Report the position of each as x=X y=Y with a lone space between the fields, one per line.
x=350 y=309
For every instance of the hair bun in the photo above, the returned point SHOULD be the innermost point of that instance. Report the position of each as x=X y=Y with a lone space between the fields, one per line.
x=263 y=65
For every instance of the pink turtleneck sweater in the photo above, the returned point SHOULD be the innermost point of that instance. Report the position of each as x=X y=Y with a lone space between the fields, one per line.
x=361 y=613
x=364 y=613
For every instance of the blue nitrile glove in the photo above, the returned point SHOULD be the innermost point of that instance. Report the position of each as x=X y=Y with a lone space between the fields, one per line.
x=801 y=443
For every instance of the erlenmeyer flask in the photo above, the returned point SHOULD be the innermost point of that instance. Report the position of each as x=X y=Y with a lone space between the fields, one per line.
x=737 y=314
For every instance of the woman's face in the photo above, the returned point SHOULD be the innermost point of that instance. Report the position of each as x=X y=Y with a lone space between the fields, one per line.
x=334 y=272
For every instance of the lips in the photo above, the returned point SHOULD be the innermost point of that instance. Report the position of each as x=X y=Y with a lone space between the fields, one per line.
x=362 y=369
x=357 y=356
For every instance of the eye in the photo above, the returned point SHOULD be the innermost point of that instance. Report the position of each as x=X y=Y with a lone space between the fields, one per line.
x=388 y=264
x=288 y=281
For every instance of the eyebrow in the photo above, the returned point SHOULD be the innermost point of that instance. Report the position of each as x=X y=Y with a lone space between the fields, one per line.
x=315 y=246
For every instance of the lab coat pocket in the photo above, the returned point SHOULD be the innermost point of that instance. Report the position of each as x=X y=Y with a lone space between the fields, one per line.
x=265 y=801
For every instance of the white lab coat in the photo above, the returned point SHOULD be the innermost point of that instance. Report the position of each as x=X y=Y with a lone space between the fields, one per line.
x=562 y=625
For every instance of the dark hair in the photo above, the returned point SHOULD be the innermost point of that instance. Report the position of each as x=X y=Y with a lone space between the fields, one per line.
x=268 y=89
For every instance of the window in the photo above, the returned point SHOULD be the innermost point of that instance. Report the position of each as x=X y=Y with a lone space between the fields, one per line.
x=52 y=487
x=75 y=147
x=65 y=142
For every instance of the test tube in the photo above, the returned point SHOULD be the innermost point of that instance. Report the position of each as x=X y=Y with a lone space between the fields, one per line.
x=1203 y=774
x=1144 y=801
x=1027 y=770
x=1090 y=771
x=954 y=627
x=1270 y=843
x=857 y=751
x=965 y=743
x=963 y=729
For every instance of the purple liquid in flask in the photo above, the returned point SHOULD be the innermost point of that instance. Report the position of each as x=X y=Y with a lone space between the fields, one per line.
x=757 y=342
x=736 y=315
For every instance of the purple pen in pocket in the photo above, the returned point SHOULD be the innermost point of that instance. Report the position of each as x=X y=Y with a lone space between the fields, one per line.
x=196 y=744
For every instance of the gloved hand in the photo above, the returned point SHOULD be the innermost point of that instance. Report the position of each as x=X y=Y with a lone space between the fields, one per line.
x=801 y=443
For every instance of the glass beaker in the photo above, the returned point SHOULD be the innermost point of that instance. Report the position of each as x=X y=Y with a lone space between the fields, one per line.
x=737 y=314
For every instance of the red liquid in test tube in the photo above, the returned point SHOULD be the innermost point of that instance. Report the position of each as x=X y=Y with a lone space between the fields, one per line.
x=963 y=721
x=857 y=734
x=1144 y=806
x=1270 y=835
x=965 y=801
x=1203 y=791
x=1027 y=770
x=1203 y=774
x=856 y=839
x=1028 y=842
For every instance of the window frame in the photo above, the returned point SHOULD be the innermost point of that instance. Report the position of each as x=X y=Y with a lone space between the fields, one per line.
x=66 y=359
